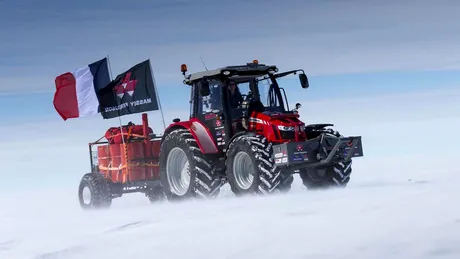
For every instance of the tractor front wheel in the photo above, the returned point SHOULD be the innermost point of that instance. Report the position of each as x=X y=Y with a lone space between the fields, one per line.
x=94 y=192
x=250 y=167
x=286 y=182
x=336 y=175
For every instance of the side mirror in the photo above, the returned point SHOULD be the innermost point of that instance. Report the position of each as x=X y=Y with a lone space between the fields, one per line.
x=204 y=87
x=303 y=80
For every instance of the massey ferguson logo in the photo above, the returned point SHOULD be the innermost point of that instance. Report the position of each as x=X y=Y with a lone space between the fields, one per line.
x=126 y=86
x=299 y=148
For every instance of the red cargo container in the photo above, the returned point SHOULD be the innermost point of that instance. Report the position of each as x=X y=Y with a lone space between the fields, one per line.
x=153 y=153
x=103 y=157
x=115 y=159
x=133 y=163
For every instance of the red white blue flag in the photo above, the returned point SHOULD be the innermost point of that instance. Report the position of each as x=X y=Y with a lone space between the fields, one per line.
x=76 y=92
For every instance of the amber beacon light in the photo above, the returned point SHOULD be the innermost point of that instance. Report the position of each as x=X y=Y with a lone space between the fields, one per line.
x=183 y=68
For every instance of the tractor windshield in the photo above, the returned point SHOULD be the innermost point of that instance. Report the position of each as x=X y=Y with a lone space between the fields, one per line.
x=262 y=89
x=271 y=96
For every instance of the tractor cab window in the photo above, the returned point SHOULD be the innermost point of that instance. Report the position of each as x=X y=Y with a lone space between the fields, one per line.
x=245 y=90
x=237 y=95
x=213 y=101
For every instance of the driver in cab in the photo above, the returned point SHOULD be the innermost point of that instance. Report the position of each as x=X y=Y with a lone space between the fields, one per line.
x=234 y=95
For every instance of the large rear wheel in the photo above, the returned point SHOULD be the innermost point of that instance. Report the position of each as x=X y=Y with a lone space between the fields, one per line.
x=185 y=172
x=250 y=166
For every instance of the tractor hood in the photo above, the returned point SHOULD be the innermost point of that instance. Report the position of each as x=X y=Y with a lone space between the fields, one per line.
x=282 y=126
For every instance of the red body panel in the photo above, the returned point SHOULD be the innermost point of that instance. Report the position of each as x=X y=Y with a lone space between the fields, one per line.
x=200 y=132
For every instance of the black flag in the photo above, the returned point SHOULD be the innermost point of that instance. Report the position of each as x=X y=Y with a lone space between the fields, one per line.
x=131 y=92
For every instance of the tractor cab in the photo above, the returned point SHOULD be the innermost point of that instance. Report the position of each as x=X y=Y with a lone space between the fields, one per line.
x=237 y=99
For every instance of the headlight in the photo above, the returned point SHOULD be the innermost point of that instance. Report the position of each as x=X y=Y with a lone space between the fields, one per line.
x=286 y=128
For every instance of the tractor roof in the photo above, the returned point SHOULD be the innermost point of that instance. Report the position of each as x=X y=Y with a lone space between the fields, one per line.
x=250 y=69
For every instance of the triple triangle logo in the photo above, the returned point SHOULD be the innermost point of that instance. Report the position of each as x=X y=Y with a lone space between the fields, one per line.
x=126 y=86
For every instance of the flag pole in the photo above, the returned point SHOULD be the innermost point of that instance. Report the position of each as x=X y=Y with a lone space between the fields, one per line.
x=157 y=96
x=119 y=120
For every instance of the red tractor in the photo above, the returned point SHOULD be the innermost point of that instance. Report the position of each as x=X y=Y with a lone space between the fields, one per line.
x=250 y=140
x=240 y=131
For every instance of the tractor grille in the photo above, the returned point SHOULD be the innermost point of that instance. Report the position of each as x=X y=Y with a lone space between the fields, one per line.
x=287 y=134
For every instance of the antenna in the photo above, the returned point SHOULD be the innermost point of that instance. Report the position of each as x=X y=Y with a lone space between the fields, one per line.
x=204 y=64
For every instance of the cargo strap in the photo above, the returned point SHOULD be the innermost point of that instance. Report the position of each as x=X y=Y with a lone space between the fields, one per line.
x=125 y=148
x=130 y=130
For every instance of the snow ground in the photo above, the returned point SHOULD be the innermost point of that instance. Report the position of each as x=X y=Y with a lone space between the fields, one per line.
x=399 y=204
x=392 y=212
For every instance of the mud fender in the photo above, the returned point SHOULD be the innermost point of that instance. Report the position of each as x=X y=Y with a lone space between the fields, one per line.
x=200 y=133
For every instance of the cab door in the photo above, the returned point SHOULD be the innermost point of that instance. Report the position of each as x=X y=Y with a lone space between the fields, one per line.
x=209 y=111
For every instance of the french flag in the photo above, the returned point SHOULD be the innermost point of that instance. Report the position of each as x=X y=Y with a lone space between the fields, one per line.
x=76 y=92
